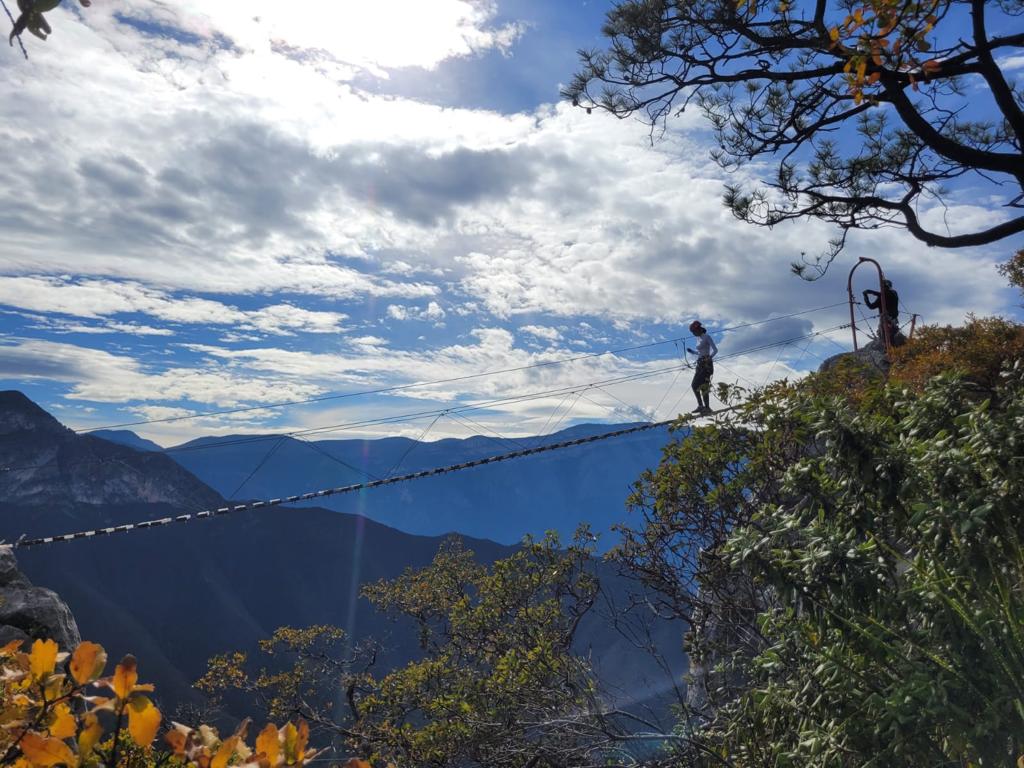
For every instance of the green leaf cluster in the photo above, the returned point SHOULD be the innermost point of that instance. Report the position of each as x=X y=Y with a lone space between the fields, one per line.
x=498 y=683
x=857 y=589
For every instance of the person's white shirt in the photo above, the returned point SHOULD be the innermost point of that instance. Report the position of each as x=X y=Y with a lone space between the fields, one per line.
x=706 y=346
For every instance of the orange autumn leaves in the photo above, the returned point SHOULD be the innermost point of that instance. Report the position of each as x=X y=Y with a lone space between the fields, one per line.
x=880 y=35
x=46 y=717
x=887 y=34
x=57 y=709
x=274 y=747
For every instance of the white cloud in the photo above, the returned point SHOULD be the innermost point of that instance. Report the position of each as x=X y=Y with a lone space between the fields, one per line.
x=104 y=298
x=372 y=36
x=1011 y=63
x=185 y=169
x=103 y=377
x=264 y=175
x=542 y=332
x=431 y=313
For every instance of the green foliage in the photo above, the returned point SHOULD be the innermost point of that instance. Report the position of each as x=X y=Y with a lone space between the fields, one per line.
x=300 y=673
x=862 y=602
x=1013 y=270
x=498 y=682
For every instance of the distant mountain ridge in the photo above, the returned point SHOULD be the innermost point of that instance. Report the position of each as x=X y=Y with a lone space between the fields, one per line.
x=176 y=595
x=500 y=502
x=128 y=438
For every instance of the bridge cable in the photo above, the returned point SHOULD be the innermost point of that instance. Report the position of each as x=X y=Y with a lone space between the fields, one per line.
x=345 y=489
x=24 y=542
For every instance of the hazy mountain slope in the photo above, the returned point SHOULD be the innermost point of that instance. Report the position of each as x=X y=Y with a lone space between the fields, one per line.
x=176 y=595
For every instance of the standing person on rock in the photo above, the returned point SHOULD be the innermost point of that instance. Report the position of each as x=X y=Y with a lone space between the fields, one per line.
x=889 y=323
x=705 y=351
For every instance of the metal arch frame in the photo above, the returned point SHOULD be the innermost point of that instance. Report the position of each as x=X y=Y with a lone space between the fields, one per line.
x=883 y=309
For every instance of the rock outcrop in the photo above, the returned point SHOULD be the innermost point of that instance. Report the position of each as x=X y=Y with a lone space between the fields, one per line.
x=30 y=613
x=871 y=356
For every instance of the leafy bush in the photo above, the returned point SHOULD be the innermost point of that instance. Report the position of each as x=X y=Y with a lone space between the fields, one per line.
x=1013 y=270
x=53 y=714
x=858 y=594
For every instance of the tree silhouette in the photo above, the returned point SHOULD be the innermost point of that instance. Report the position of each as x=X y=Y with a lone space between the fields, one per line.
x=868 y=112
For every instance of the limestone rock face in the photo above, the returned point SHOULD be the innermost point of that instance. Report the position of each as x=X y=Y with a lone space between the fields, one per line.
x=28 y=612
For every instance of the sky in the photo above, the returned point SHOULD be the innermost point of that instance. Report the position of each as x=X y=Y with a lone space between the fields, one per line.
x=221 y=205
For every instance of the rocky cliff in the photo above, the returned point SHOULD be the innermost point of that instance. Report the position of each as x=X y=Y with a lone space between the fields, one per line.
x=43 y=462
x=31 y=613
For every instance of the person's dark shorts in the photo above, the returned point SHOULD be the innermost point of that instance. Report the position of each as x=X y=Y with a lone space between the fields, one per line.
x=705 y=370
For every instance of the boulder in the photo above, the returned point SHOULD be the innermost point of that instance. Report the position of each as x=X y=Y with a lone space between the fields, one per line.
x=871 y=357
x=30 y=613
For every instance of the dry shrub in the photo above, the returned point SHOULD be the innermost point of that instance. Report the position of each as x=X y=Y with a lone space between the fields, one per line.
x=977 y=350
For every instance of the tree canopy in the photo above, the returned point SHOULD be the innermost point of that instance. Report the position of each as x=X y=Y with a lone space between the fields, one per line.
x=870 y=111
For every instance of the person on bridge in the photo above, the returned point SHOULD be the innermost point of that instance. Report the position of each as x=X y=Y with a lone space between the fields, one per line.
x=705 y=351
x=888 y=326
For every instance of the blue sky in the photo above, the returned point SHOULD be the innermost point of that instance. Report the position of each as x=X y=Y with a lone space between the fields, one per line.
x=219 y=204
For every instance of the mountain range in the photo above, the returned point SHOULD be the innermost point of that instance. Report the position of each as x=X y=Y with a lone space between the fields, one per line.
x=177 y=595
x=501 y=502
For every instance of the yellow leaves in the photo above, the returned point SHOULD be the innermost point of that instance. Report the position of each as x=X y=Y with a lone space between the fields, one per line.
x=68 y=729
x=11 y=648
x=45 y=752
x=43 y=658
x=63 y=725
x=177 y=739
x=126 y=675
x=87 y=662
x=89 y=735
x=889 y=34
x=268 y=744
x=295 y=740
x=125 y=680
x=355 y=762
x=226 y=751
x=232 y=746
x=143 y=720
